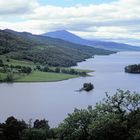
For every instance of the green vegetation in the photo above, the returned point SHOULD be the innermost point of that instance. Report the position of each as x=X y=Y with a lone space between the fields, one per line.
x=133 y=68
x=87 y=86
x=115 y=118
x=25 y=71
x=9 y=77
x=44 y=50
x=25 y=57
x=39 y=76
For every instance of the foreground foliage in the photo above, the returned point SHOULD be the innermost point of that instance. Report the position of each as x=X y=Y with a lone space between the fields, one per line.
x=115 y=118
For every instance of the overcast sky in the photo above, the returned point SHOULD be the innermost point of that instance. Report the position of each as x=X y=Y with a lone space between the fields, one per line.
x=117 y=20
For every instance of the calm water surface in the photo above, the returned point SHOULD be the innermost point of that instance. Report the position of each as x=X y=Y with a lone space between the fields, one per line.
x=54 y=100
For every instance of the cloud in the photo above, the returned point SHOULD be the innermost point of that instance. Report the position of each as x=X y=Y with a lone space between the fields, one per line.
x=118 y=20
x=16 y=7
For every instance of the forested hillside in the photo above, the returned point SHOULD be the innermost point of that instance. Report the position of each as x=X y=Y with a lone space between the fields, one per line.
x=44 y=50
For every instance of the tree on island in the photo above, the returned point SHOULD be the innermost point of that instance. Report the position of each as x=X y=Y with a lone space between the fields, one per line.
x=87 y=86
x=133 y=68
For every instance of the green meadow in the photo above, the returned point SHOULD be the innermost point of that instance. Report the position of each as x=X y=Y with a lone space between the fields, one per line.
x=38 y=76
x=35 y=75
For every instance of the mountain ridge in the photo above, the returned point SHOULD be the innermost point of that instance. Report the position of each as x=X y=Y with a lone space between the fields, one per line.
x=108 y=45
x=44 y=50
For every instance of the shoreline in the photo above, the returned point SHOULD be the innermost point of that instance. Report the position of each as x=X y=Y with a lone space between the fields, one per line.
x=49 y=81
x=38 y=76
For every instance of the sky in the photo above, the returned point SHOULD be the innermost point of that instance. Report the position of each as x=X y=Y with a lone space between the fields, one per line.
x=110 y=20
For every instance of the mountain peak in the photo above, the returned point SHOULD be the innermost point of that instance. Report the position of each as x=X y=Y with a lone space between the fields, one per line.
x=59 y=32
x=68 y=36
x=64 y=35
x=62 y=31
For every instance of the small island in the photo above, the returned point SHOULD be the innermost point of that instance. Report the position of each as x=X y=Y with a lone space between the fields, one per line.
x=87 y=87
x=133 y=69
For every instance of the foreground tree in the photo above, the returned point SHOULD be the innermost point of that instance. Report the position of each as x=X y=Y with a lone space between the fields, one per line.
x=13 y=128
x=39 y=131
x=116 y=118
x=33 y=134
x=38 y=124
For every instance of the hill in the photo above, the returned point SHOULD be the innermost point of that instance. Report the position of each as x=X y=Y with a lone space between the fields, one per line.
x=44 y=50
x=68 y=36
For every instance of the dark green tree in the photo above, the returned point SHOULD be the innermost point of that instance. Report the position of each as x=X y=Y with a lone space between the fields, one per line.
x=33 y=134
x=57 y=70
x=88 y=86
x=46 y=69
x=1 y=63
x=13 y=128
x=41 y=124
x=116 y=117
x=9 y=77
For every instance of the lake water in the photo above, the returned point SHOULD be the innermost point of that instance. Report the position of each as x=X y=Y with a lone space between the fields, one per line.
x=54 y=100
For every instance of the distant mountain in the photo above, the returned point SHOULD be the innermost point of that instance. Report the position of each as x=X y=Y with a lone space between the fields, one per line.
x=114 y=46
x=65 y=35
x=44 y=50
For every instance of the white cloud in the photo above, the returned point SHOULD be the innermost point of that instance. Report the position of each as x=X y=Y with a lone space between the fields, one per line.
x=115 y=20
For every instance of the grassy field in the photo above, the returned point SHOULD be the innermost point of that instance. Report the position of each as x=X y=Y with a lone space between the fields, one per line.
x=38 y=76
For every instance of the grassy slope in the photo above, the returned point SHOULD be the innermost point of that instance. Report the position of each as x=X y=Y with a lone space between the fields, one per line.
x=37 y=76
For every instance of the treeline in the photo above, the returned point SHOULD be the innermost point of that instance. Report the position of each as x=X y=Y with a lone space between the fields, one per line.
x=115 y=118
x=133 y=68
x=61 y=70
x=14 y=68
